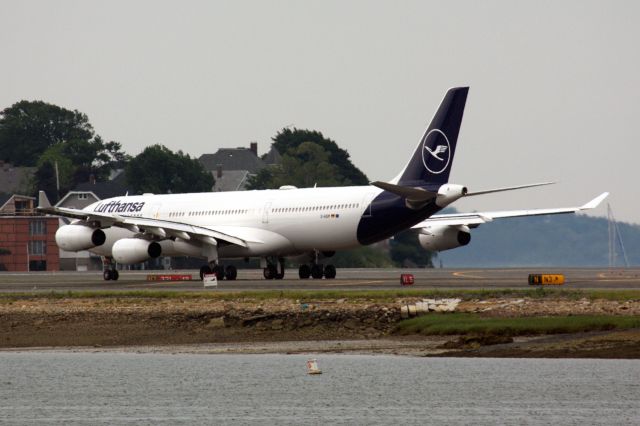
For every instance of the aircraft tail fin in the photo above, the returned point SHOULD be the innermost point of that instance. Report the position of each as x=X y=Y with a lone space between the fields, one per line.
x=432 y=160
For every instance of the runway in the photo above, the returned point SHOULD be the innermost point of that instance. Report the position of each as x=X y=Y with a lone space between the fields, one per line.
x=347 y=279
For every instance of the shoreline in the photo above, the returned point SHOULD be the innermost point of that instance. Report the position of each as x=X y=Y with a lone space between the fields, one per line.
x=581 y=345
x=277 y=325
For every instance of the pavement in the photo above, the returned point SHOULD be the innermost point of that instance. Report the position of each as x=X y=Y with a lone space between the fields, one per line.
x=347 y=279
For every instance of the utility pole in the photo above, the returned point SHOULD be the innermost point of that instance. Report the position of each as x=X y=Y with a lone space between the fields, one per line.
x=57 y=181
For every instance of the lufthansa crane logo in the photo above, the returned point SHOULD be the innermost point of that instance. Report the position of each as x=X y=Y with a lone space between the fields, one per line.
x=436 y=151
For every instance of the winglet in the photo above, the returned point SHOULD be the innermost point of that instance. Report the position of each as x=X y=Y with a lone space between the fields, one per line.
x=43 y=201
x=595 y=202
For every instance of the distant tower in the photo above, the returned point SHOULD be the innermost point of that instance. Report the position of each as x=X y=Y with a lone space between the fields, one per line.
x=615 y=238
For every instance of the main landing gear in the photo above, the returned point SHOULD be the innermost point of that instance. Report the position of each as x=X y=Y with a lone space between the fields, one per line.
x=271 y=270
x=230 y=272
x=317 y=271
x=109 y=271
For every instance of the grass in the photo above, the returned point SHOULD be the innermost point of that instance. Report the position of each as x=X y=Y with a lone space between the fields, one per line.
x=350 y=295
x=461 y=323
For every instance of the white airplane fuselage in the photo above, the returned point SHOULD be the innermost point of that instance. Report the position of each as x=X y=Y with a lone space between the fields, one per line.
x=280 y=222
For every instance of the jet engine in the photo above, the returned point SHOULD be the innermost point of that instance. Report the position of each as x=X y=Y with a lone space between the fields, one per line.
x=135 y=250
x=439 y=238
x=79 y=237
x=449 y=192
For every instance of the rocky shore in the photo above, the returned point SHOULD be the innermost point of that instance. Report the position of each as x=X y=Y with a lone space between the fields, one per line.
x=293 y=326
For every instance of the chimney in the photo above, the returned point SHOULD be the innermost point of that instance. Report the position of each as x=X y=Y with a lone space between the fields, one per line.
x=253 y=146
x=219 y=171
x=92 y=179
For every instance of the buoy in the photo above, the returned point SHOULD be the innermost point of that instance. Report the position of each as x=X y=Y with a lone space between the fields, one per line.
x=312 y=366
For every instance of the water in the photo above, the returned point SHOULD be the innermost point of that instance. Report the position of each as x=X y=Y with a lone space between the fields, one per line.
x=126 y=388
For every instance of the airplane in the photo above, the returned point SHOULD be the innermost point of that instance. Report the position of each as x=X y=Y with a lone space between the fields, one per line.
x=307 y=224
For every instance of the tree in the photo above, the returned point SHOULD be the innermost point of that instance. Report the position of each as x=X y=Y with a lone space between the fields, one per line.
x=304 y=166
x=76 y=161
x=287 y=139
x=313 y=158
x=160 y=171
x=28 y=128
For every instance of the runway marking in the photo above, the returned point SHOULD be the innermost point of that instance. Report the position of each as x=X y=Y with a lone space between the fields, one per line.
x=335 y=284
x=156 y=283
x=466 y=275
x=608 y=276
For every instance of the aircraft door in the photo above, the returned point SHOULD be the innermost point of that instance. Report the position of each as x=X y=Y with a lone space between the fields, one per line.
x=265 y=213
x=155 y=211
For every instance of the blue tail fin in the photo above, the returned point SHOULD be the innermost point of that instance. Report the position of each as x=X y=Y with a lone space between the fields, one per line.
x=432 y=160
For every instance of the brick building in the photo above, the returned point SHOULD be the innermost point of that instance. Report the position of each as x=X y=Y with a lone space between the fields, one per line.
x=27 y=240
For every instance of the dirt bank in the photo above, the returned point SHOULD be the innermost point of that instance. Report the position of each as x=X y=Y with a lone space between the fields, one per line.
x=292 y=326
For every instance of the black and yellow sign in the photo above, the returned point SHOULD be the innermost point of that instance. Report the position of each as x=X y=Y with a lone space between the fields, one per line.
x=546 y=279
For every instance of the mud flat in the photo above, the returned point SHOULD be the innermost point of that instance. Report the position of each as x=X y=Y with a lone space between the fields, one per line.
x=293 y=323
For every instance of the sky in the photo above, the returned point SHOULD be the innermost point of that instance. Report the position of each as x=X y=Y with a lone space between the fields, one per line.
x=554 y=84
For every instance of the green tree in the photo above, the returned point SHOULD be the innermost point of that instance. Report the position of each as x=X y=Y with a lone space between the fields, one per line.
x=287 y=139
x=316 y=160
x=76 y=161
x=28 y=128
x=160 y=171
x=304 y=166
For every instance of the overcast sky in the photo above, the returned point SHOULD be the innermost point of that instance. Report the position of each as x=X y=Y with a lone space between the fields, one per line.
x=555 y=86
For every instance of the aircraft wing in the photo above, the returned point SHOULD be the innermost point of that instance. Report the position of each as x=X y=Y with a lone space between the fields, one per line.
x=157 y=227
x=471 y=219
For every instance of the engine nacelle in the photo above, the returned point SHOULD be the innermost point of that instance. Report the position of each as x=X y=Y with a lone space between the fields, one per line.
x=448 y=193
x=439 y=238
x=79 y=237
x=135 y=250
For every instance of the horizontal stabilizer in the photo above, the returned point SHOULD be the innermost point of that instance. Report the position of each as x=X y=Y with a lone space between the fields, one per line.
x=508 y=188
x=408 y=192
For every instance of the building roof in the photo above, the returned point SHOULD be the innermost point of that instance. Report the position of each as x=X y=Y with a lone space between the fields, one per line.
x=112 y=188
x=4 y=197
x=231 y=180
x=272 y=157
x=232 y=159
x=15 y=179
x=6 y=201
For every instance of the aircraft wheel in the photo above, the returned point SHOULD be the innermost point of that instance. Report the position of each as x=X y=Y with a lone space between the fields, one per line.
x=205 y=270
x=269 y=272
x=219 y=271
x=329 y=272
x=304 y=272
x=115 y=275
x=316 y=271
x=106 y=274
x=231 y=273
